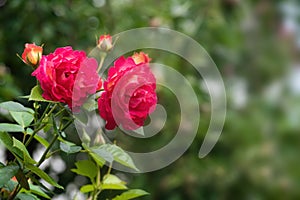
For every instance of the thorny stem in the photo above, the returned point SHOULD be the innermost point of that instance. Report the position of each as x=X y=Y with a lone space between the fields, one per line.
x=47 y=150
x=52 y=142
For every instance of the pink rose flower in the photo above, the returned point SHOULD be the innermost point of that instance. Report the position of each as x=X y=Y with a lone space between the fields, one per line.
x=67 y=76
x=129 y=94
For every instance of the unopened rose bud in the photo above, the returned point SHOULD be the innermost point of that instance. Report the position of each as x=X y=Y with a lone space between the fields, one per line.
x=32 y=55
x=105 y=43
x=140 y=58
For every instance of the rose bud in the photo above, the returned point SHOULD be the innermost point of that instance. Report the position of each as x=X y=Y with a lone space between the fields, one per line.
x=32 y=55
x=140 y=58
x=105 y=43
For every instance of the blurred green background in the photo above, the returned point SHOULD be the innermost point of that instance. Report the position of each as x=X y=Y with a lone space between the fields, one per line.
x=255 y=45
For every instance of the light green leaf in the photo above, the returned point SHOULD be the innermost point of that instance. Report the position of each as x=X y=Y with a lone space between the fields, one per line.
x=113 y=182
x=86 y=168
x=40 y=173
x=21 y=146
x=99 y=160
x=131 y=194
x=69 y=147
x=7 y=127
x=41 y=140
x=87 y=188
x=102 y=152
x=36 y=94
x=119 y=155
x=22 y=118
x=6 y=173
x=12 y=106
x=26 y=196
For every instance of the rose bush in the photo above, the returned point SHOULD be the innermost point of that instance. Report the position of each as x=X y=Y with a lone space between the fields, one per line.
x=58 y=71
x=69 y=77
x=129 y=93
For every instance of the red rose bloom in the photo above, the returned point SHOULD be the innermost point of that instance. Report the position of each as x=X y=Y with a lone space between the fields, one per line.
x=58 y=72
x=129 y=94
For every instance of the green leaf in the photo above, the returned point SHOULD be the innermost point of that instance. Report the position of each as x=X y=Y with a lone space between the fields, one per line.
x=22 y=118
x=69 y=147
x=8 y=143
x=40 y=173
x=102 y=152
x=113 y=182
x=6 y=173
x=87 y=188
x=12 y=106
x=26 y=196
x=7 y=127
x=99 y=160
x=38 y=191
x=119 y=155
x=21 y=146
x=131 y=194
x=10 y=185
x=36 y=94
x=86 y=168
x=41 y=140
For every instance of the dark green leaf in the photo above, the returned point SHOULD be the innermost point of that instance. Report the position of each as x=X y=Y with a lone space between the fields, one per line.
x=7 y=127
x=6 y=173
x=131 y=194
x=40 y=173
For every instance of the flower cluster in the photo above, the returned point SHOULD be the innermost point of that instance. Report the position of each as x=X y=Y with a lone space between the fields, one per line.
x=69 y=76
